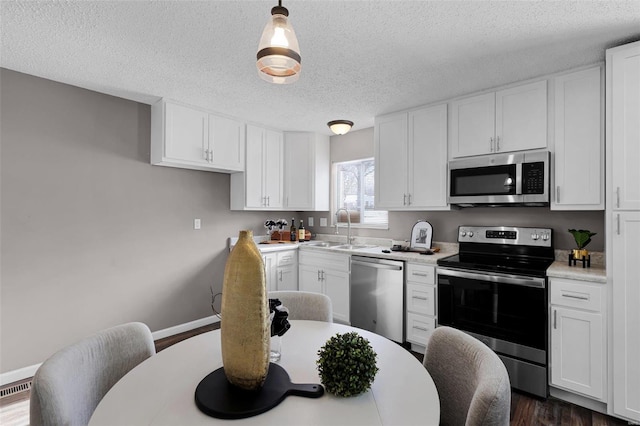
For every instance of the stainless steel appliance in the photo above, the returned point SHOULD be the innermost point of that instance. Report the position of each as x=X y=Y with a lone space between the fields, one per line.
x=520 y=178
x=377 y=296
x=495 y=289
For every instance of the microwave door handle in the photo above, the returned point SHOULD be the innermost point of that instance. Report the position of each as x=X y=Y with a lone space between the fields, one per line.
x=518 y=178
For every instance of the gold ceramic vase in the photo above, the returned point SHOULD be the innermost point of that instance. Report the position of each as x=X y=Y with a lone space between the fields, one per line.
x=245 y=316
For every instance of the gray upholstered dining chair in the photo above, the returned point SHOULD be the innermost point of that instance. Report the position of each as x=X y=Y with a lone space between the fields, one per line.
x=472 y=381
x=68 y=386
x=305 y=305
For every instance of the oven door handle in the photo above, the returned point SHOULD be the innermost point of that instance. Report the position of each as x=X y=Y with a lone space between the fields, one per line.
x=495 y=277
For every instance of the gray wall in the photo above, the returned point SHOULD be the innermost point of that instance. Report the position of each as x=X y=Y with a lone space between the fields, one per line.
x=92 y=235
x=359 y=144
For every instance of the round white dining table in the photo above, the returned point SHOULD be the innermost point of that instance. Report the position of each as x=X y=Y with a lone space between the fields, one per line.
x=161 y=390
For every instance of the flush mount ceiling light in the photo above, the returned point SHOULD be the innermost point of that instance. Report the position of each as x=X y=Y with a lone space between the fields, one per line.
x=278 y=58
x=340 y=127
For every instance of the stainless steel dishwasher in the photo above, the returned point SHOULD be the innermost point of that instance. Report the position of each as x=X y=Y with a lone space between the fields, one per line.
x=377 y=296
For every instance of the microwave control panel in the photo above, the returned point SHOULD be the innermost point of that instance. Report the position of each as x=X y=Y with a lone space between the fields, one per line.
x=533 y=178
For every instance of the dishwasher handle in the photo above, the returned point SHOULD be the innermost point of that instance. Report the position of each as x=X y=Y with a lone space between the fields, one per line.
x=377 y=265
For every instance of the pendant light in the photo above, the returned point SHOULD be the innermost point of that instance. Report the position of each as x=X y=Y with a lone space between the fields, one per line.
x=278 y=58
x=340 y=127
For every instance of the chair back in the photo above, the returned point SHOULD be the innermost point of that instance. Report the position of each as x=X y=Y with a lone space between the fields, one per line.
x=472 y=381
x=305 y=305
x=68 y=386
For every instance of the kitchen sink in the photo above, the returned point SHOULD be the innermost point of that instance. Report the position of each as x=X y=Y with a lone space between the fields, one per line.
x=353 y=246
x=321 y=244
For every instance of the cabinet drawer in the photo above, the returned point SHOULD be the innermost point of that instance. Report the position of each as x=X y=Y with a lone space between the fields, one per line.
x=338 y=262
x=576 y=294
x=287 y=258
x=423 y=274
x=421 y=299
x=419 y=328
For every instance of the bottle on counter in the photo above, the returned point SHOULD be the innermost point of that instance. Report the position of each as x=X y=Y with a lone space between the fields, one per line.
x=301 y=232
x=293 y=233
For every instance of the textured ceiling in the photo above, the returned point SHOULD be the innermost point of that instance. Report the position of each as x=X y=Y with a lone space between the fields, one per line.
x=360 y=58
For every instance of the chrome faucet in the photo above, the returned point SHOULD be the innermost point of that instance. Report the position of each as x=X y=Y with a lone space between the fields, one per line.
x=348 y=224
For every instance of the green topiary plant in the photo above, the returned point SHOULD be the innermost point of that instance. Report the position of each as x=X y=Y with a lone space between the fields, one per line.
x=582 y=237
x=347 y=364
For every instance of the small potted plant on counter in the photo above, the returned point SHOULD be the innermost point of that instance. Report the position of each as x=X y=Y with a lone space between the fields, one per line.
x=583 y=238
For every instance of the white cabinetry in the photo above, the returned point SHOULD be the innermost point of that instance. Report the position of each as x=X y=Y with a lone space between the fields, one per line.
x=512 y=119
x=192 y=138
x=579 y=141
x=269 y=260
x=623 y=224
x=411 y=160
x=327 y=273
x=420 y=304
x=260 y=186
x=287 y=270
x=578 y=343
x=306 y=171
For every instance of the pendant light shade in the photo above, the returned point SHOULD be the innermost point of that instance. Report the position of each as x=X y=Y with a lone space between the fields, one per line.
x=278 y=58
x=340 y=127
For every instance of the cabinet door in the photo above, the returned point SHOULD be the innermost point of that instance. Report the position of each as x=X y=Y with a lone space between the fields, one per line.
x=521 y=117
x=419 y=328
x=309 y=279
x=390 y=140
x=186 y=136
x=625 y=277
x=298 y=171
x=254 y=184
x=273 y=174
x=623 y=86
x=577 y=351
x=473 y=125
x=287 y=277
x=427 y=157
x=226 y=143
x=579 y=141
x=336 y=286
x=269 y=260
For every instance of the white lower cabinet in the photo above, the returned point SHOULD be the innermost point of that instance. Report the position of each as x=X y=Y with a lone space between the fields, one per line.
x=287 y=270
x=578 y=341
x=420 y=303
x=327 y=273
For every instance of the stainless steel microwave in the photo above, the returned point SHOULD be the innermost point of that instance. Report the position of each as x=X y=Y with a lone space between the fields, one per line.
x=519 y=178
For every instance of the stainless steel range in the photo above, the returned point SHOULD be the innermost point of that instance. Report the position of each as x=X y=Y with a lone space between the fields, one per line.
x=495 y=289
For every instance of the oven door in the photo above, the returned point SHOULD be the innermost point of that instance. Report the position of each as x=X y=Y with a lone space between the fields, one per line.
x=509 y=311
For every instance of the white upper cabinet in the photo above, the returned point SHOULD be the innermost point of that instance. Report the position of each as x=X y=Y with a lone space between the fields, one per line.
x=623 y=88
x=512 y=119
x=579 y=141
x=192 y=138
x=411 y=160
x=306 y=171
x=260 y=186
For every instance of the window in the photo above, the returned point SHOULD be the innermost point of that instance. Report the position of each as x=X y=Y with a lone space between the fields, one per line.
x=354 y=191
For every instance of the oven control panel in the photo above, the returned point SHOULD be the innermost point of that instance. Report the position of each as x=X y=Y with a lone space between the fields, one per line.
x=541 y=237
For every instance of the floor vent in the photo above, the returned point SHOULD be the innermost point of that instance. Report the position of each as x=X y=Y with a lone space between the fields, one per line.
x=12 y=390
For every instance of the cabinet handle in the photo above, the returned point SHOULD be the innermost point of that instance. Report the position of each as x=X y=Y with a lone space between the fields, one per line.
x=418 y=274
x=211 y=156
x=206 y=155
x=419 y=297
x=491 y=144
x=404 y=199
x=618 y=197
x=268 y=201
x=554 y=319
x=280 y=276
x=618 y=220
x=420 y=328
x=574 y=296
x=409 y=199
x=497 y=143
x=318 y=274
x=557 y=194
x=322 y=275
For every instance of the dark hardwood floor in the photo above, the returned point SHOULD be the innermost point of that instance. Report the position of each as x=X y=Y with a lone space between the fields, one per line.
x=525 y=410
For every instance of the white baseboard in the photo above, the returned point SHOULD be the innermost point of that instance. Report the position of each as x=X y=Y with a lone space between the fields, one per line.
x=181 y=328
x=27 y=372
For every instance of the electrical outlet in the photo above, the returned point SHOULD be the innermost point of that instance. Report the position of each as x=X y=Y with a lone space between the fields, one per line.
x=323 y=221
x=310 y=221
x=196 y=223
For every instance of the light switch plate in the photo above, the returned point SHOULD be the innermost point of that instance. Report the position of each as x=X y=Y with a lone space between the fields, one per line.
x=196 y=223
x=310 y=221
x=323 y=221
